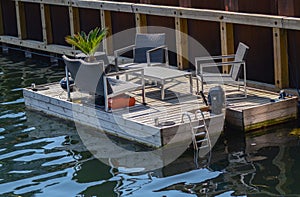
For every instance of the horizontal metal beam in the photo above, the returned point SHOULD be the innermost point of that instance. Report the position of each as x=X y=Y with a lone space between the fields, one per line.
x=104 y=5
x=32 y=44
x=263 y=20
x=51 y=2
x=291 y=23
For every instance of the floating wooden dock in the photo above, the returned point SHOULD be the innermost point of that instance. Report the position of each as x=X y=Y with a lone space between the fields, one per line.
x=137 y=123
x=260 y=109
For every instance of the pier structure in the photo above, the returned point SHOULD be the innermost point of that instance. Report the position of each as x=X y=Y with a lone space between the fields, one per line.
x=270 y=28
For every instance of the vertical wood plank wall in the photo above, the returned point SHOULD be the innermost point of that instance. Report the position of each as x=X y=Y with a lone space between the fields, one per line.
x=106 y=23
x=271 y=58
x=21 y=23
x=1 y=20
x=9 y=18
x=46 y=23
x=33 y=22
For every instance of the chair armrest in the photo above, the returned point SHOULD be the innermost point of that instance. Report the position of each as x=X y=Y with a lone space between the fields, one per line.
x=155 y=49
x=120 y=51
x=211 y=65
x=197 y=59
x=221 y=63
x=126 y=72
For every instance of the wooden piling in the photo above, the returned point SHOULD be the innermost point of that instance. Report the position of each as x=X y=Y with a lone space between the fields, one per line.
x=227 y=42
x=1 y=20
x=46 y=24
x=21 y=20
x=107 y=23
x=281 y=65
x=141 y=23
x=182 y=43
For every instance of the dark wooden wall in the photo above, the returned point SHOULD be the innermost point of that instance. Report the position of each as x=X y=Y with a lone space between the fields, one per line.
x=9 y=18
x=33 y=22
x=205 y=33
x=89 y=19
x=260 y=60
x=292 y=8
x=123 y=29
x=60 y=23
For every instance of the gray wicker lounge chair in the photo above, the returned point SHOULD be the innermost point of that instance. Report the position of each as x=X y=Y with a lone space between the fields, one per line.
x=207 y=70
x=91 y=78
x=148 y=50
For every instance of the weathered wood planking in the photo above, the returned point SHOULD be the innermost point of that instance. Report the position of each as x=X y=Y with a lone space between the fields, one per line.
x=37 y=45
x=111 y=122
x=46 y=24
x=247 y=114
x=21 y=23
x=138 y=120
x=281 y=62
x=271 y=113
x=263 y=114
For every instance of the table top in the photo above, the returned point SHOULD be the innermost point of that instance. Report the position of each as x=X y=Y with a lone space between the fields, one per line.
x=163 y=73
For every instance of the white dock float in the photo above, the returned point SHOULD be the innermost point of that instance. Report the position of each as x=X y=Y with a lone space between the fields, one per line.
x=137 y=123
x=134 y=123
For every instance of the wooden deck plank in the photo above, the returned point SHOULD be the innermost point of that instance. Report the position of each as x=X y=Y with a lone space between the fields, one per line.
x=249 y=113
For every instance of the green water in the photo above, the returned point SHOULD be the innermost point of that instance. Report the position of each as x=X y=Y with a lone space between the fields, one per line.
x=44 y=156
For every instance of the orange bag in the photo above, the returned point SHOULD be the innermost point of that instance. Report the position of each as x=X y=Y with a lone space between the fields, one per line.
x=121 y=101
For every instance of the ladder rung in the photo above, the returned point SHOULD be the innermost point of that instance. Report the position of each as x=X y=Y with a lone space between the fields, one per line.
x=200 y=141
x=199 y=126
x=200 y=134
x=205 y=146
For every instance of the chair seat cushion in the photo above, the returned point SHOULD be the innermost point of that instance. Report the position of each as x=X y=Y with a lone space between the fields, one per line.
x=119 y=87
x=220 y=79
x=138 y=65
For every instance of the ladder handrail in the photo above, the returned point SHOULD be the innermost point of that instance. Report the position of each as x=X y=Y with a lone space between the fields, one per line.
x=195 y=132
x=204 y=123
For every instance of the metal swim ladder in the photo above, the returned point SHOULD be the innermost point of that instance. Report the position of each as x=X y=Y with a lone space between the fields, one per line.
x=200 y=134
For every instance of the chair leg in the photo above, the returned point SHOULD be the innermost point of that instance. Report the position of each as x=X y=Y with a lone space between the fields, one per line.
x=162 y=90
x=197 y=83
x=105 y=93
x=245 y=89
x=144 y=96
x=68 y=84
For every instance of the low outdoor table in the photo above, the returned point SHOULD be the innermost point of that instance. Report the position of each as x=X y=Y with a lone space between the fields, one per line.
x=162 y=74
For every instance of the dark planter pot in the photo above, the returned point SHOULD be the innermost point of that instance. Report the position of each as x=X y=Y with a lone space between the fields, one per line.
x=63 y=83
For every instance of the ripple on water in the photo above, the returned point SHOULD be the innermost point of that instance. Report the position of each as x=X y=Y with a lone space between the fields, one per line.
x=20 y=100
x=20 y=172
x=13 y=115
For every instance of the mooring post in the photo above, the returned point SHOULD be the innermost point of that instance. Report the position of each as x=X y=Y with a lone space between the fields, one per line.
x=46 y=24
x=141 y=23
x=21 y=19
x=281 y=66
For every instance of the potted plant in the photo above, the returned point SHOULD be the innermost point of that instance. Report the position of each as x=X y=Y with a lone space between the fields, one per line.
x=87 y=43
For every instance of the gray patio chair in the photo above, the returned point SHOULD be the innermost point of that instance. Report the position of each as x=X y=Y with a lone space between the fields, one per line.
x=148 y=50
x=91 y=78
x=207 y=71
